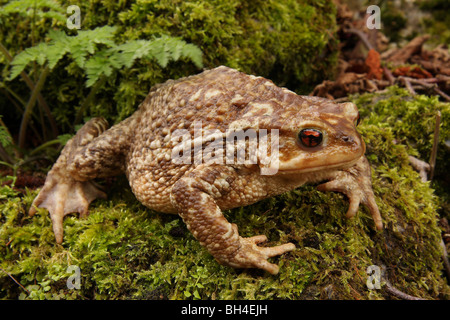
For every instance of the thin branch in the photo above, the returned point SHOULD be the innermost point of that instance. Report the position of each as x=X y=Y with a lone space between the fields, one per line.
x=399 y=294
x=10 y=93
x=408 y=85
x=31 y=86
x=30 y=105
x=15 y=95
x=389 y=75
x=421 y=166
x=430 y=84
x=15 y=280
x=442 y=93
x=421 y=82
x=342 y=99
x=362 y=36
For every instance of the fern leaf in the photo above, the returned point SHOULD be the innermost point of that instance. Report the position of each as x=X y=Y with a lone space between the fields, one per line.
x=100 y=35
x=193 y=53
x=97 y=66
x=5 y=138
x=57 y=48
x=36 y=53
x=159 y=52
x=167 y=48
x=128 y=52
x=84 y=42
x=163 y=50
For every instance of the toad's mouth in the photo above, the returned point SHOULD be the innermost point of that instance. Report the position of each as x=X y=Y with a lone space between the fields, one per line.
x=319 y=163
x=341 y=165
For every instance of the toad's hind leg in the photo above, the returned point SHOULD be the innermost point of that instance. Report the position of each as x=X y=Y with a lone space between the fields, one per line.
x=93 y=152
x=195 y=195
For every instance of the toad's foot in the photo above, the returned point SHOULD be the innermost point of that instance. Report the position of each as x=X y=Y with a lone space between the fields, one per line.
x=68 y=188
x=62 y=195
x=249 y=255
x=355 y=183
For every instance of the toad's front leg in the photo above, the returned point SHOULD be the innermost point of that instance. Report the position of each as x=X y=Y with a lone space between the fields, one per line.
x=356 y=183
x=195 y=198
x=93 y=152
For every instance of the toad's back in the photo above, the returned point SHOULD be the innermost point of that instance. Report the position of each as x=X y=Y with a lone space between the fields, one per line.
x=214 y=98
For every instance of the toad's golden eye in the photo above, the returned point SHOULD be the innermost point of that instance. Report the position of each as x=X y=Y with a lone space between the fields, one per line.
x=310 y=137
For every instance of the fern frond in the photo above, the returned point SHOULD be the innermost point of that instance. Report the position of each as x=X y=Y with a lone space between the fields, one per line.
x=79 y=47
x=193 y=53
x=97 y=66
x=83 y=48
x=84 y=43
x=37 y=53
x=5 y=138
x=165 y=49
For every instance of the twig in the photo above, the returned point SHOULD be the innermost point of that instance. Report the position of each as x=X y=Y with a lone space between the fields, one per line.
x=421 y=82
x=10 y=95
x=362 y=36
x=435 y=144
x=421 y=166
x=31 y=86
x=430 y=80
x=389 y=75
x=30 y=104
x=15 y=280
x=430 y=83
x=408 y=85
x=443 y=94
x=404 y=54
x=398 y=293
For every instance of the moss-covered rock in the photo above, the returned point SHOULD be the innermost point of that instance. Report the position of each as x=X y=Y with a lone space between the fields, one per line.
x=125 y=251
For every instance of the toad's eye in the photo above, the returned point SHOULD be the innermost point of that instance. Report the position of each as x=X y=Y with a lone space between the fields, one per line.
x=310 y=137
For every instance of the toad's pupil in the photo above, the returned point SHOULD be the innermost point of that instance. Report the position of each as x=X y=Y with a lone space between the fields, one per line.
x=310 y=137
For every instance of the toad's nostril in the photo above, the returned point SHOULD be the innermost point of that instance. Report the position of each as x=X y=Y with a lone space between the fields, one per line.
x=347 y=139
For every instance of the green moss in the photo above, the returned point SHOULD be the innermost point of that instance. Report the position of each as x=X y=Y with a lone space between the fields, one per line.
x=394 y=21
x=291 y=42
x=126 y=251
x=411 y=122
x=438 y=25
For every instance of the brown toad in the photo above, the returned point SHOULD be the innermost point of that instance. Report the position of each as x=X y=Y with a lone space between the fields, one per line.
x=170 y=151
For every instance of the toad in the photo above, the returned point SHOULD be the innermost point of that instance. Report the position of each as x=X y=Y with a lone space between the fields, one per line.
x=211 y=142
